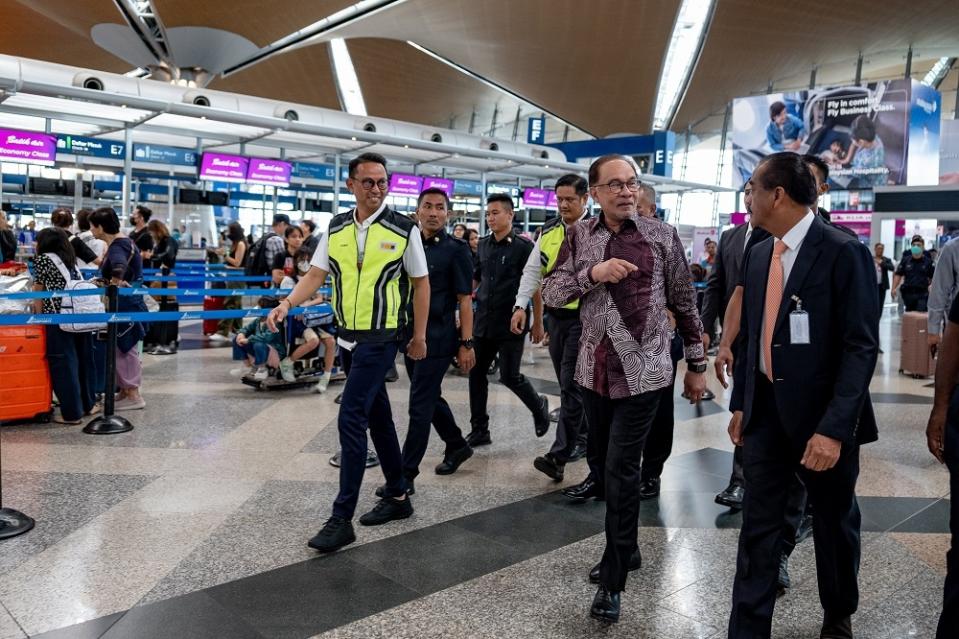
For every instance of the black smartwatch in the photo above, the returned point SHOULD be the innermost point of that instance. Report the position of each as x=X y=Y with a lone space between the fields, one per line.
x=467 y=344
x=696 y=367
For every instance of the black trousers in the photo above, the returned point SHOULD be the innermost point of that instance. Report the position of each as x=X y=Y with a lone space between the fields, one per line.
x=915 y=299
x=427 y=405
x=510 y=357
x=882 y=295
x=365 y=401
x=564 y=336
x=949 y=620
x=771 y=460
x=659 y=443
x=620 y=427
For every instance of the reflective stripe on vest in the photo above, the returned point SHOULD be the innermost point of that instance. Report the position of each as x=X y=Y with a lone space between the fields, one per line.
x=370 y=300
x=550 y=243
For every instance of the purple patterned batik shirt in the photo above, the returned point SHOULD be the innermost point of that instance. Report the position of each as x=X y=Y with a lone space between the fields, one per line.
x=624 y=349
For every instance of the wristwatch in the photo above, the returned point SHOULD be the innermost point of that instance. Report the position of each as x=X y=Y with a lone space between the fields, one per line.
x=467 y=344
x=696 y=367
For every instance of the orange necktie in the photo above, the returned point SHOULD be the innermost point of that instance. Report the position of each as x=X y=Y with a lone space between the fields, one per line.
x=774 y=296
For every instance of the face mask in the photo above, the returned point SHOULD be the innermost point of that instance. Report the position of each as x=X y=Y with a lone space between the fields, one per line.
x=303 y=267
x=916 y=250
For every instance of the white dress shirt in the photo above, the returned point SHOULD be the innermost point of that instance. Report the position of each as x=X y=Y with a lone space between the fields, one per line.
x=793 y=240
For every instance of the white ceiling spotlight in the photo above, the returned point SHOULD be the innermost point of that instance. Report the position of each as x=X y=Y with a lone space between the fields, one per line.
x=685 y=45
x=347 y=84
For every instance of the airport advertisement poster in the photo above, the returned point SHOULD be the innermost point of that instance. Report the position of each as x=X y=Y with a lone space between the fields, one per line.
x=949 y=152
x=868 y=134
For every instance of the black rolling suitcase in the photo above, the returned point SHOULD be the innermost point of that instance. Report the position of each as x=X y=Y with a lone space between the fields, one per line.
x=163 y=338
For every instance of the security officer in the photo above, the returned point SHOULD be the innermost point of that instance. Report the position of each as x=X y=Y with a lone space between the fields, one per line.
x=373 y=254
x=500 y=258
x=451 y=284
x=562 y=325
x=914 y=273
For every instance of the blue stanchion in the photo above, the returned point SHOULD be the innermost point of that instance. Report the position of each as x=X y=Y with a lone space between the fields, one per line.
x=208 y=278
x=168 y=292
x=156 y=316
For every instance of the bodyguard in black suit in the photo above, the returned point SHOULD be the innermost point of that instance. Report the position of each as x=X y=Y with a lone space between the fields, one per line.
x=801 y=394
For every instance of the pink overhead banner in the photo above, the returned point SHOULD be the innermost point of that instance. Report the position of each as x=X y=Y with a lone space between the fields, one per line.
x=535 y=198
x=446 y=186
x=28 y=147
x=402 y=184
x=268 y=171
x=223 y=168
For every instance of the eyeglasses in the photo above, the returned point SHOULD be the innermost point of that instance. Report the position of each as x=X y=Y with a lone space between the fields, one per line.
x=617 y=187
x=369 y=183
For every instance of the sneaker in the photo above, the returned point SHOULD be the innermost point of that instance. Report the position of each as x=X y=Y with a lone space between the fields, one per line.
x=323 y=384
x=129 y=404
x=243 y=371
x=218 y=338
x=96 y=410
x=335 y=533
x=410 y=489
x=286 y=370
x=261 y=373
x=386 y=510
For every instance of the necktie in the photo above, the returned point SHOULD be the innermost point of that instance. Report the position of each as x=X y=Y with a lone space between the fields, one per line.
x=774 y=296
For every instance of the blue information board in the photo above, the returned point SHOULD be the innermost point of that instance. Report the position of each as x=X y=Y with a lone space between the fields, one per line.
x=318 y=171
x=536 y=130
x=164 y=154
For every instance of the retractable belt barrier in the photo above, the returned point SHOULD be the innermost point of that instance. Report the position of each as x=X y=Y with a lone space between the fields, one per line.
x=151 y=316
x=159 y=292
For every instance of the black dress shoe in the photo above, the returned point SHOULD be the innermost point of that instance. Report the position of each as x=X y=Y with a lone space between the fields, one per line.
x=783 y=582
x=479 y=438
x=732 y=497
x=836 y=627
x=635 y=563
x=335 y=533
x=649 y=488
x=578 y=453
x=550 y=466
x=541 y=417
x=410 y=489
x=805 y=529
x=386 y=510
x=338 y=399
x=605 y=606
x=584 y=490
x=554 y=415
x=392 y=375
x=452 y=461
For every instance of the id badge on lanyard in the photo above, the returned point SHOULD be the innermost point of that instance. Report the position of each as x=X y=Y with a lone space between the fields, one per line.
x=798 y=324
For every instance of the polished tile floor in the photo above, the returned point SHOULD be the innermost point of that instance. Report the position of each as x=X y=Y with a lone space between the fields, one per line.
x=195 y=525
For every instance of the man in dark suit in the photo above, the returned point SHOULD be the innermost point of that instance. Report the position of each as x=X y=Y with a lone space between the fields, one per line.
x=810 y=327
x=884 y=267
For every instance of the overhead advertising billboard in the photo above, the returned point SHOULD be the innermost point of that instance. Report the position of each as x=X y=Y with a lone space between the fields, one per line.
x=446 y=186
x=28 y=147
x=220 y=167
x=401 y=184
x=535 y=198
x=864 y=133
x=949 y=152
x=91 y=147
x=268 y=171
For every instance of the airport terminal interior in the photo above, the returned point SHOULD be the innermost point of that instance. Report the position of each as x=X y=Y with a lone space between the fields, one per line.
x=172 y=467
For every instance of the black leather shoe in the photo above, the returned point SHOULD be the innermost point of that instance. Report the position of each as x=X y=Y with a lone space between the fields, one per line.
x=605 y=605
x=805 y=529
x=410 y=489
x=731 y=497
x=479 y=438
x=541 y=417
x=554 y=415
x=578 y=453
x=635 y=563
x=392 y=375
x=335 y=533
x=649 y=488
x=836 y=627
x=386 y=510
x=550 y=466
x=338 y=399
x=584 y=490
x=783 y=582
x=452 y=461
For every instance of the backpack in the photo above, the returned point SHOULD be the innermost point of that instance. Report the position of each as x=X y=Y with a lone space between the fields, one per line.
x=256 y=257
x=81 y=304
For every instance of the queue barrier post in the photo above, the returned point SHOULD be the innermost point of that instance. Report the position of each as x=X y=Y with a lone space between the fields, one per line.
x=108 y=423
x=12 y=522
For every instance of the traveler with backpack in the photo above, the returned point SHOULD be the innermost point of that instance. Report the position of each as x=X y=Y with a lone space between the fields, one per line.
x=69 y=354
x=235 y=261
x=264 y=251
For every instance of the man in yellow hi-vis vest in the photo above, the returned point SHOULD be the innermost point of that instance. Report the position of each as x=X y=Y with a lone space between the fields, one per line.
x=374 y=255
x=562 y=325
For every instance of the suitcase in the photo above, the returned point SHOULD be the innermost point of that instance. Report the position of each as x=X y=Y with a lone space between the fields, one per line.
x=915 y=358
x=212 y=304
x=25 y=390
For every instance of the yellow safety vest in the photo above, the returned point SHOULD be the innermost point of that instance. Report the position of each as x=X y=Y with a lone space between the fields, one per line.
x=550 y=241
x=370 y=297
